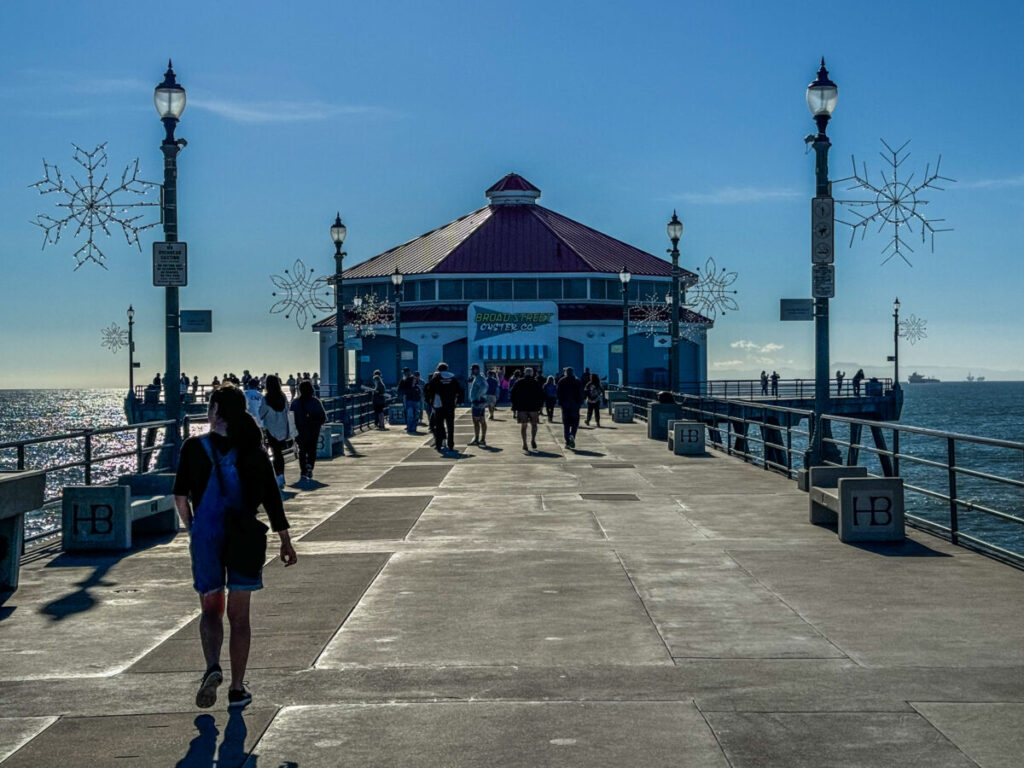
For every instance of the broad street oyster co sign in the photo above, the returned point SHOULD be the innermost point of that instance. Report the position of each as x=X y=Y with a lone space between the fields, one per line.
x=490 y=321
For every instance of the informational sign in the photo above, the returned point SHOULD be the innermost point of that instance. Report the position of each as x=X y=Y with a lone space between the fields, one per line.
x=500 y=319
x=170 y=265
x=796 y=309
x=822 y=230
x=407 y=354
x=356 y=343
x=195 y=321
x=512 y=330
x=823 y=281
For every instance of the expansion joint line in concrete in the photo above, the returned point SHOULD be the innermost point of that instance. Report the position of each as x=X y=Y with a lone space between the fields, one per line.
x=650 y=618
x=796 y=613
x=711 y=730
x=355 y=605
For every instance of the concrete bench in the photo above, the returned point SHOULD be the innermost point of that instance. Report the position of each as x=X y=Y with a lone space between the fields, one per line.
x=686 y=438
x=864 y=508
x=622 y=413
x=659 y=416
x=106 y=516
x=20 y=492
x=615 y=396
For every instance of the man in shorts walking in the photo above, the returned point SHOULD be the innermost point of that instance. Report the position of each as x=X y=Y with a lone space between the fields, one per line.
x=527 y=399
x=477 y=392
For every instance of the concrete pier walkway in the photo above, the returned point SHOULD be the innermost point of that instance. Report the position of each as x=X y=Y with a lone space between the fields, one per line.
x=610 y=606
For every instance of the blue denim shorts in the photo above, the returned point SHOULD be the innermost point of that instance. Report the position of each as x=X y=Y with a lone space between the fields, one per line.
x=209 y=574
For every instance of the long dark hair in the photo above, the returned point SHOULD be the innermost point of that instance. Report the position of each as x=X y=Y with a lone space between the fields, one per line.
x=275 y=397
x=305 y=389
x=243 y=432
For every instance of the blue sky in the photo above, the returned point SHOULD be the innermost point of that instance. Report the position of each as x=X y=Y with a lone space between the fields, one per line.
x=400 y=115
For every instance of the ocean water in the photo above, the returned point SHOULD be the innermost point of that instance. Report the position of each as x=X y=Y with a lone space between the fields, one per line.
x=990 y=409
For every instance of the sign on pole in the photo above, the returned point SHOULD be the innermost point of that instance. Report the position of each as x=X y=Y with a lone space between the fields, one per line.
x=196 y=321
x=170 y=265
x=822 y=230
x=796 y=309
x=823 y=281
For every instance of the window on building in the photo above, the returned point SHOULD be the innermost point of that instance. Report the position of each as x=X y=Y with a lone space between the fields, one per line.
x=526 y=289
x=549 y=289
x=348 y=292
x=382 y=291
x=501 y=289
x=449 y=290
x=613 y=289
x=598 y=290
x=574 y=288
x=474 y=289
x=427 y=290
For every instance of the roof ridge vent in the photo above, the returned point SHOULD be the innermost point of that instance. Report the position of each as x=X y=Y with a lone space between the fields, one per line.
x=513 y=189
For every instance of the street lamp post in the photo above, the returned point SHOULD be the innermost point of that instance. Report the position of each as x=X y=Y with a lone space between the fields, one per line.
x=396 y=280
x=338 y=232
x=624 y=277
x=131 y=352
x=821 y=100
x=169 y=99
x=896 y=343
x=675 y=231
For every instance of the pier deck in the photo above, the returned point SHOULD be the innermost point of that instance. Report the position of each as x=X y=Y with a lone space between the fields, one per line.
x=479 y=611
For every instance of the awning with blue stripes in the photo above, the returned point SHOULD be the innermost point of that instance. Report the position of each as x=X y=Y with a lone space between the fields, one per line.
x=513 y=351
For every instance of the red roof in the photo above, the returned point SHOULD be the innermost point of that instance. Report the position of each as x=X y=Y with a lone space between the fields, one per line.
x=512 y=238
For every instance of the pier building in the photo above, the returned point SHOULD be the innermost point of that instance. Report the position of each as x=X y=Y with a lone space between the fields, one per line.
x=509 y=285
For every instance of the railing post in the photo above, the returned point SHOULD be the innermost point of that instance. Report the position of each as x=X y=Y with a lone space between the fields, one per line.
x=895 y=452
x=88 y=457
x=21 y=458
x=954 y=517
x=138 y=450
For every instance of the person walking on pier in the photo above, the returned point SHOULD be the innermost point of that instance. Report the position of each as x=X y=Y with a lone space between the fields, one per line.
x=379 y=399
x=276 y=424
x=411 y=392
x=492 y=392
x=223 y=477
x=291 y=387
x=570 y=398
x=443 y=392
x=764 y=383
x=550 y=398
x=527 y=399
x=309 y=417
x=594 y=393
x=840 y=375
x=775 y=383
x=477 y=393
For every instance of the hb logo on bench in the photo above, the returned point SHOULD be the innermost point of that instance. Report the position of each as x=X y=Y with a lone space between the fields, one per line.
x=877 y=505
x=99 y=518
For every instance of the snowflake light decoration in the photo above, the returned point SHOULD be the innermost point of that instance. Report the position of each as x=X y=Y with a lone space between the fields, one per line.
x=651 y=315
x=302 y=293
x=90 y=206
x=369 y=312
x=896 y=202
x=711 y=295
x=913 y=329
x=114 y=337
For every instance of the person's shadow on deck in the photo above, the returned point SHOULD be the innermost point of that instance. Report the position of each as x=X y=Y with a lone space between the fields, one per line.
x=202 y=750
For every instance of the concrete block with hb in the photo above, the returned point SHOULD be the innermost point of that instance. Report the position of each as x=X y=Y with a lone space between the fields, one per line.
x=615 y=396
x=686 y=438
x=332 y=437
x=864 y=508
x=20 y=492
x=396 y=413
x=622 y=413
x=106 y=516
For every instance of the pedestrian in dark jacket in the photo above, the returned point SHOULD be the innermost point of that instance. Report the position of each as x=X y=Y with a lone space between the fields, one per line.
x=443 y=391
x=570 y=398
x=309 y=417
x=527 y=399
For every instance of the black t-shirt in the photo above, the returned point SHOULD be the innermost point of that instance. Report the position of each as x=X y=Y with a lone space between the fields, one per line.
x=259 y=485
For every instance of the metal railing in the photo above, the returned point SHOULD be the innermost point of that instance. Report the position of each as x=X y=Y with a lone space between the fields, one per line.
x=945 y=476
x=83 y=457
x=964 y=488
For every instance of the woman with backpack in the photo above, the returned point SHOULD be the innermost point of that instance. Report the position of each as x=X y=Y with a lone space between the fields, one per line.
x=309 y=417
x=379 y=398
x=222 y=479
x=594 y=393
x=273 y=415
